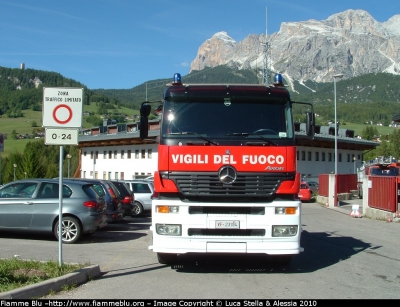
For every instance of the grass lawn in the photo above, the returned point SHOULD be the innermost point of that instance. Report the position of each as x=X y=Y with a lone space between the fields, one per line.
x=16 y=273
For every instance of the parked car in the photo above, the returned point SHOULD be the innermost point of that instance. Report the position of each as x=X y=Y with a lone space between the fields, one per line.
x=115 y=211
x=305 y=193
x=314 y=186
x=33 y=205
x=126 y=195
x=143 y=190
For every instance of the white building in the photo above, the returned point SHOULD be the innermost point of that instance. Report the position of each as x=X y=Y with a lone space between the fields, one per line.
x=117 y=152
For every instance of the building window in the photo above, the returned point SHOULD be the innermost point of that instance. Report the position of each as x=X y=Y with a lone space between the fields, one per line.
x=122 y=154
x=323 y=156
x=96 y=155
x=303 y=156
x=348 y=158
x=109 y=175
x=122 y=176
x=330 y=157
x=149 y=153
x=136 y=154
x=105 y=155
x=317 y=156
x=104 y=175
x=91 y=155
x=115 y=154
x=116 y=176
x=84 y=174
x=143 y=154
x=84 y=153
x=340 y=157
x=110 y=154
x=297 y=154
x=309 y=156
x=129 y=154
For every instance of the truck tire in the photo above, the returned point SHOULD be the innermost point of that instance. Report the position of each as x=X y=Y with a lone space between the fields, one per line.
x=165 y=258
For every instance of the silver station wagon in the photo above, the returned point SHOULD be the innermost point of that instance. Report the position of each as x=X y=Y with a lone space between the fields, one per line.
x=33 y=205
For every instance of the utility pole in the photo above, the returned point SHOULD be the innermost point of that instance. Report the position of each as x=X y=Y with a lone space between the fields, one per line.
x=267 y=54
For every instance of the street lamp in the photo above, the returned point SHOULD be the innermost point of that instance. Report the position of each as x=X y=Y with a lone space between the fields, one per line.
x=15 y=166
x=336 y=125
x=69 y=161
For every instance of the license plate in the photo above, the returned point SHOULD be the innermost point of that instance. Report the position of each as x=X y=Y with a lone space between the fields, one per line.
x=227 y=224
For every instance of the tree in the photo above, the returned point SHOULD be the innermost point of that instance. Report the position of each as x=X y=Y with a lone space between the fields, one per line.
x=385 y=149
x=13 y=158
x=369 y=132
x=395 y=139
x=30 y=160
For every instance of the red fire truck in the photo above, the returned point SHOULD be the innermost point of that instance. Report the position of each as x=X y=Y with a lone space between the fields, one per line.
x=226 y=180
x=380 y=166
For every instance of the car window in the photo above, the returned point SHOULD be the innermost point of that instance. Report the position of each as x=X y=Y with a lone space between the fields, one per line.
x=90 y=190
x=99 y=189
x=141 y=188
x=50 y=190
x=122 y=188
x=19 y=190
x=115 y=190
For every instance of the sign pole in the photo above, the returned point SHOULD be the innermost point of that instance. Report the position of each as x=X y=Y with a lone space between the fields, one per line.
x=61 y=110
x=60 y=190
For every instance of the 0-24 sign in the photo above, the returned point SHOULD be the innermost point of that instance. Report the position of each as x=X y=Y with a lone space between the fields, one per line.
x=61 y=136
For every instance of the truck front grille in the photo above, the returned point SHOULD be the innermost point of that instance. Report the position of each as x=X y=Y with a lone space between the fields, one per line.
x=246 y=184
x=226 y=232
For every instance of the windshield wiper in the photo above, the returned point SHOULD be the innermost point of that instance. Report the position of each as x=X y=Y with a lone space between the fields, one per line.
x=252 y=134
x=196 y=134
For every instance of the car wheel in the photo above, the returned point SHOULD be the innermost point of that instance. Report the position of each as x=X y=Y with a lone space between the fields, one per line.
x=137 y=208
x=164 y=258
x=71 y=230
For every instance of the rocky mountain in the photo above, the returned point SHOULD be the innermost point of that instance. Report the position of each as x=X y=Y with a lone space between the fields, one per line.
x=352 y=43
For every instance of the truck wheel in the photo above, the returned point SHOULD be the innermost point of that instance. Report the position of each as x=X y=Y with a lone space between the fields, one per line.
x=71 y=230
x=281 y=260
x=164 y=258
x=137 y=209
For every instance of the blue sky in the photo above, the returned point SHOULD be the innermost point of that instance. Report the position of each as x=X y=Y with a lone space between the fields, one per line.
x=119 y=44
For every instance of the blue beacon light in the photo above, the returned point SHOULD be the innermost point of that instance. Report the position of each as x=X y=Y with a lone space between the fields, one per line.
x=177 y=79
x=278 y=79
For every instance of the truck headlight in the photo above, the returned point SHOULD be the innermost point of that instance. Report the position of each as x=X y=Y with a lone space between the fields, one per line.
x=284 y=230
x=169 y=229
x=285 y=210
x=167 y=209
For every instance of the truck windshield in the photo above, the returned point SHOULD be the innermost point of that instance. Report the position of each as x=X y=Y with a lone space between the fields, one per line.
x=237 y=118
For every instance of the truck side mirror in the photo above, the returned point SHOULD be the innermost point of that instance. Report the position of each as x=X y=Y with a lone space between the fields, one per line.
x=144 y=120
x=310 y=125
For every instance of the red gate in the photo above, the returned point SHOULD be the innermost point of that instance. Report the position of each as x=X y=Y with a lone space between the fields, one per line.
x=382 y=194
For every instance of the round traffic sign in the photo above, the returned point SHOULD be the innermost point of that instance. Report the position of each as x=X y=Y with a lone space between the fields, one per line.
x=62 y=108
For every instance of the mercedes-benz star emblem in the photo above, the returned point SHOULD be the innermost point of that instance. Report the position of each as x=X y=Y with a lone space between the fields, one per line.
x=227 y=174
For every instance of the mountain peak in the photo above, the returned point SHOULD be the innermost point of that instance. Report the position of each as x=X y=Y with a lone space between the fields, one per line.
x=351 y=42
